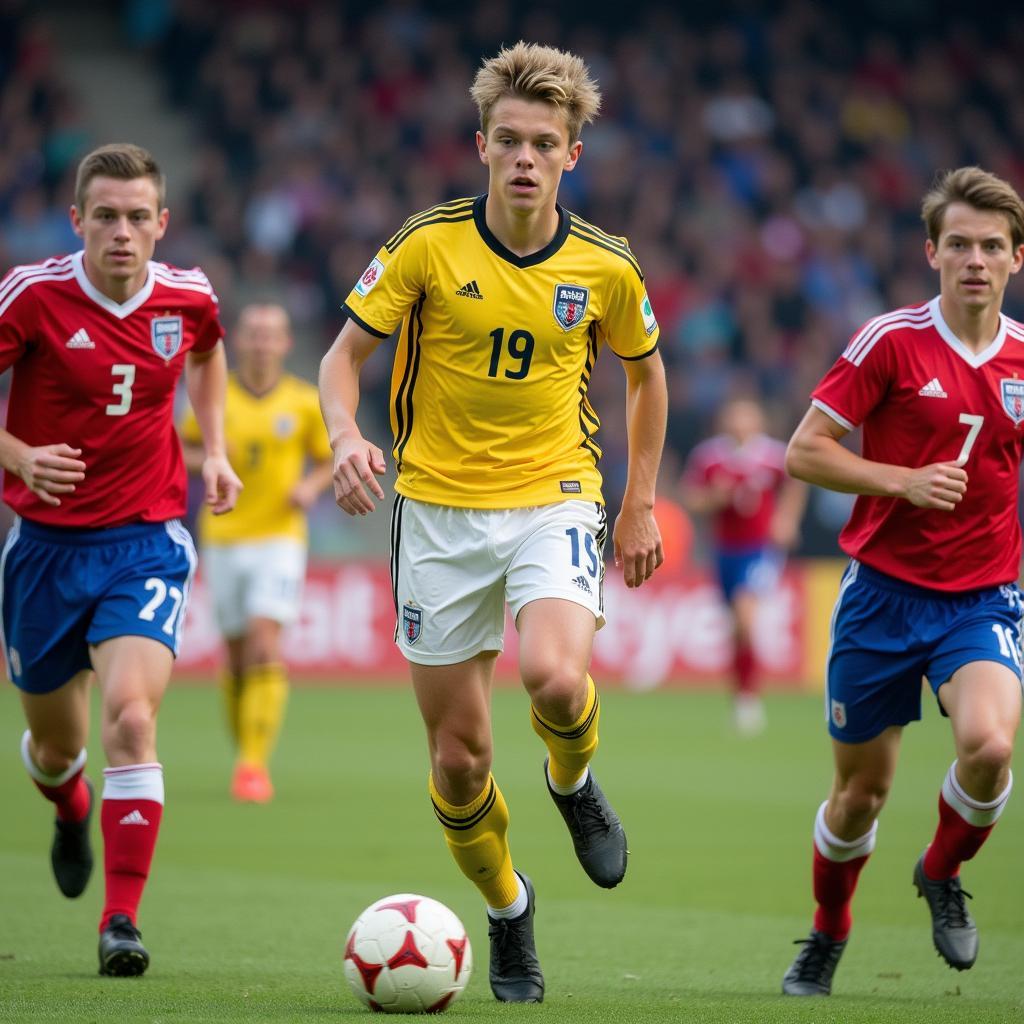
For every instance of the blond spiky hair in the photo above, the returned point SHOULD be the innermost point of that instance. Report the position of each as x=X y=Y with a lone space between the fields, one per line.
x=530 y=71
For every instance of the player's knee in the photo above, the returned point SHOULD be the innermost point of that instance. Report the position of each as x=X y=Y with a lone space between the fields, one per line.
x=558 y=690
x=862 y=799
x=53 y=756
x=988 y=756
x=460 y=768
x=132 y=728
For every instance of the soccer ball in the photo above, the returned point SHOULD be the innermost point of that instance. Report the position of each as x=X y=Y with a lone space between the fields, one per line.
x=407 y=954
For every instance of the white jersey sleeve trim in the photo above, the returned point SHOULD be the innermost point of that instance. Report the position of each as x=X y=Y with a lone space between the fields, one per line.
x=832 y=414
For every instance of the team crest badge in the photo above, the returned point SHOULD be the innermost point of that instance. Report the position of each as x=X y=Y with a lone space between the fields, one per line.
x=1012 y=393
x=412 y=622
x=284 y=426
x=570 y=305
x=371 y=275
x=839 y=714
x=166 y=333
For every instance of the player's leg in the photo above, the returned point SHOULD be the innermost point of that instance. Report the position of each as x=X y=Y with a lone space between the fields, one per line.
x=975 y=672
x=134 y=636
x=449 y=595
x=53 y=752
x=133 y=673
x=555 y=641
x=844 y=836
x=231 y=682
x=748 y=708
x=454 y=701
x=274 y=571
x=44 y=601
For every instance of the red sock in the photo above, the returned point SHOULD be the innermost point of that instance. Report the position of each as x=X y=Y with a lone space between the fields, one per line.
x=964 y=824
x=743 y=667
x=71 y=798
x=67 y=791
x=130 y=817
x=834 y=885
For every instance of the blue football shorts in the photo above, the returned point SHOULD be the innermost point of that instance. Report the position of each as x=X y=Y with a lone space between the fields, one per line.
x=64 y=589
x=888 y=635
x=756 y=569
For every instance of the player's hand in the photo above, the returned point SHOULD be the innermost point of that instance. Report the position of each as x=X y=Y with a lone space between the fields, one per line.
x=51 y=469
x=304 y=493
x=637 y=540
x=222 y=484
x=357 y=463
x=941 y=485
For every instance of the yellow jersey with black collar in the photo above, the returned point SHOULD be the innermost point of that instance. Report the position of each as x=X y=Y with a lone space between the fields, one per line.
x=269 y=439
x=495 y=353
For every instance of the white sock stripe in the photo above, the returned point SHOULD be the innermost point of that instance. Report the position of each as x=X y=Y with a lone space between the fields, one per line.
x=39 y=775
x=831 y=847
x=974 y=812
x=134 y=782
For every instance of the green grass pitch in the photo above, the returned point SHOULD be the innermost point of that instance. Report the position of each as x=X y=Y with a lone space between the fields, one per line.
x=247 y=907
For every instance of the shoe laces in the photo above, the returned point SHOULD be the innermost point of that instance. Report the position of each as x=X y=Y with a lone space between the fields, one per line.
x=123 y=928
x=951 y=905
x=818 y=958
x=510 y=942
x=588 y=814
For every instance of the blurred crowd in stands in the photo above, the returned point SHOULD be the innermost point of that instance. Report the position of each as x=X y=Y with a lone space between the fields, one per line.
x=765 y=161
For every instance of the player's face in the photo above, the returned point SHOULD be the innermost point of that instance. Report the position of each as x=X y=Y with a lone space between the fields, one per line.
x=120 y=223
x=975 y=256
x=526 y=149
x=262 y=340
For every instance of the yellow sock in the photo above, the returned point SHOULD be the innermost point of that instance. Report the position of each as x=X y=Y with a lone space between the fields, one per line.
x=261 y=711
x=570 y=746
x=477 y=836
x=231 y=689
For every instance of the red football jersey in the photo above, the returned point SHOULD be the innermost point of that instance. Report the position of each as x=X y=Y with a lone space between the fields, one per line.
x=753 y=472
x=922 y=397
x=101 y=376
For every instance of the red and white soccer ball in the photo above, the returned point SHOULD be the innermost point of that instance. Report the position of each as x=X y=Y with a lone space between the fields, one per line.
x=407 y=954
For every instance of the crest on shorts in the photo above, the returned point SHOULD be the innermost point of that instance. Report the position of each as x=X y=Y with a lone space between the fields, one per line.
x=1012 y=394
x=839 y=714
x=412 y=622
x=166 y=333
x=570 y=305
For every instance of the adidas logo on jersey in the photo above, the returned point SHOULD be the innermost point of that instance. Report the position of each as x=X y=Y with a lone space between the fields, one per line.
x=80 y=339
x=134 y=818
x=470 y=291
x=933 y=389
x=583 y=584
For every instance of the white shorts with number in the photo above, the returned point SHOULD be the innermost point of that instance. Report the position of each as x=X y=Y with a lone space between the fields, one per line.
x=454 y=569
x=257 y=579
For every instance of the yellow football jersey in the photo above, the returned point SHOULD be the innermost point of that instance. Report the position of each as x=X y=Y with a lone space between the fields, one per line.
x=268 y=437
x=489 y=401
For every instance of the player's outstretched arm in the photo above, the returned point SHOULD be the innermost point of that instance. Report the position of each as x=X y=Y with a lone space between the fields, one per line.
x=357 y=462
x=637 y=540
x=206 y=375
x=815 y=455
x=47 y=470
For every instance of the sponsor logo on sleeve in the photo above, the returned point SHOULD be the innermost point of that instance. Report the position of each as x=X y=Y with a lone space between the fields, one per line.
x=371 y=275
x=647 y=312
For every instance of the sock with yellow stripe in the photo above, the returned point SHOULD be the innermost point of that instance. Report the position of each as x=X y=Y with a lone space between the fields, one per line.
x=231 y=692
x=477 y=835
x=570 y=747
x=264 y=693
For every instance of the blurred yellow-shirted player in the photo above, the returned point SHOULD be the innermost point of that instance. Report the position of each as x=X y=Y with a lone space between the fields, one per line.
x=256 y=564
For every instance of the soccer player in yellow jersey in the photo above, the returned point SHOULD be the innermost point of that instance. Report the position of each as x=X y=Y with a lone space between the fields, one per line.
x=255 y=566
x=503 y=303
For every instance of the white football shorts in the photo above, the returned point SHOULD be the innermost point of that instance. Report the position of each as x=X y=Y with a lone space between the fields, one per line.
x=254 y=579
x=454 y=569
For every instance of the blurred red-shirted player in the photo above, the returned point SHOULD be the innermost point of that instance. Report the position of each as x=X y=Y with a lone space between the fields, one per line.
x=97 y=567
x=738 y=478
